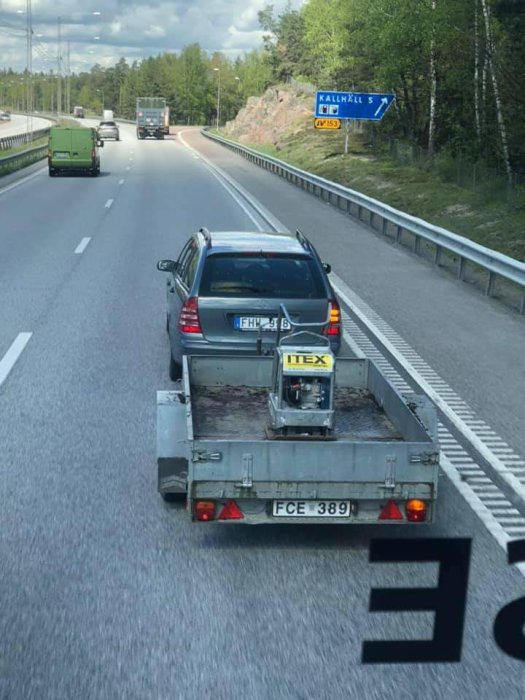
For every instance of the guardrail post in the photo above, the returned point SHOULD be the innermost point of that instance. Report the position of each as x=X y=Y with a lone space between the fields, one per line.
x=371 y=222
x=461 y=270
x=359 y=212
x=490 y=285
x=417 y=243
x=384 y=226
x=437 y=255
x=398 y=233
x=522 y=310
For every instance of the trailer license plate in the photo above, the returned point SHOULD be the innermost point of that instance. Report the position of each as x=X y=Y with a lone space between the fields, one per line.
x=311 y=509
x=252 y=323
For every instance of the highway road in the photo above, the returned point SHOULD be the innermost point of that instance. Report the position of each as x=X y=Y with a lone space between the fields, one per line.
x=19 y=125
x=107 y=591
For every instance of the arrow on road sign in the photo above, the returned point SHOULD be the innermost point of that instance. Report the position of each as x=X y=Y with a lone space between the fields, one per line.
x=384 y=101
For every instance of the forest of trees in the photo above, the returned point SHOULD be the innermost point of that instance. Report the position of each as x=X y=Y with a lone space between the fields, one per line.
x=456 y=67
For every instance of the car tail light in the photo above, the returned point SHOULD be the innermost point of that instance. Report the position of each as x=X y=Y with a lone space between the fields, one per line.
x=391 y=512
x=189 y=317
x=231 y=511
x=334 y=324
x=49 y=153
x=205 y=510
x=416 y=510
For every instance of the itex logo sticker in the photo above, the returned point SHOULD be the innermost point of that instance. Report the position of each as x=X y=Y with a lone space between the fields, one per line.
x=322 y=362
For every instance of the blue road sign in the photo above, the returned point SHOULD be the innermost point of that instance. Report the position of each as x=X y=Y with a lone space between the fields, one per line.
x=352 y=105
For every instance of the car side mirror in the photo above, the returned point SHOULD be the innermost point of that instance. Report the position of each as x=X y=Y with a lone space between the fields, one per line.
x=327 y=268
x=167 y=265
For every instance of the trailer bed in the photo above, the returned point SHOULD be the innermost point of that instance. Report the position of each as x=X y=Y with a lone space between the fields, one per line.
x=241 y=413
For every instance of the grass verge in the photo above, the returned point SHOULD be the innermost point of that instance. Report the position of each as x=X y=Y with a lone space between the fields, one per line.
x=487 y=216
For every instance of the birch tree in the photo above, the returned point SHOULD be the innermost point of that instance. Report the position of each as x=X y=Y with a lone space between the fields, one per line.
x=490 y=48
x=433 y=81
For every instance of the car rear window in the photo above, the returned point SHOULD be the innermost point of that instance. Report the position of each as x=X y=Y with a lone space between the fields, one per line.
x=107 y=124
x=271 y=276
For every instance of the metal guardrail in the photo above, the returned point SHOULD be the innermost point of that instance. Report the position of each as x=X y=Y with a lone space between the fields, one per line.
x=22 y=159
x=356 y=204
x=20 y=139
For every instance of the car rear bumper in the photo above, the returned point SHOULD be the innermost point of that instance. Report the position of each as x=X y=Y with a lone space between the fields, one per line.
x=194 y=346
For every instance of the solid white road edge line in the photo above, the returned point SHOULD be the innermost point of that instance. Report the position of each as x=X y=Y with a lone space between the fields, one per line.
x=121 y=182
x=109 y=203
x=22 y=180
x=473 y=500
x=516 y=486
x=81 y=247
x=466 y=492
x=8 y=360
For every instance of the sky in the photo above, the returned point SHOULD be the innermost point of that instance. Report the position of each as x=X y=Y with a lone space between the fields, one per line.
x=133 y=29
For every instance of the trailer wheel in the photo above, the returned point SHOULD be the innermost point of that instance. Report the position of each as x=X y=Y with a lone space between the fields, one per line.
x=175 y=370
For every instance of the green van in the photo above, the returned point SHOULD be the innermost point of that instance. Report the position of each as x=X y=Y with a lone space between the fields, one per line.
x=73 y=149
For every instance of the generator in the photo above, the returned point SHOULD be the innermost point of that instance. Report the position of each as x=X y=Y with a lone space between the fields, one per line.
x=301 y=399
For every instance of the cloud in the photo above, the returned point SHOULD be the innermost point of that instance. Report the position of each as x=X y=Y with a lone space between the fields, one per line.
x=129 y=28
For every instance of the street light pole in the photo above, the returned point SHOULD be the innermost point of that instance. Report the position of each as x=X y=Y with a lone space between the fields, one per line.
x=29 y=97
x=101 y=90
x=218 y=97
x=59 y=69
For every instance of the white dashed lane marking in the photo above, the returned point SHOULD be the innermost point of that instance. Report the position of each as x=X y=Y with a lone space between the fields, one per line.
x=8 y=360
x=81 y=247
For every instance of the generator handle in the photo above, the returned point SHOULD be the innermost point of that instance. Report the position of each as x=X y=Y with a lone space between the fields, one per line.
x=284 y=312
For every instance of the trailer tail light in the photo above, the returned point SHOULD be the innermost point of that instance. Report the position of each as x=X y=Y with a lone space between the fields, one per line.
x=205 y=510
x=334 y=323
x=416 y=510
x=231 y=511
x=390 y=512
x=189 y=317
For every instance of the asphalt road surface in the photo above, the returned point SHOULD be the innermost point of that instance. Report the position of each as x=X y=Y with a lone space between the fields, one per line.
x=19 y=124
x=108 y=592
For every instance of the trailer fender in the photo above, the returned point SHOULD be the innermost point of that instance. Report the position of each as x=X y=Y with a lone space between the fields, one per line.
x=172 y=442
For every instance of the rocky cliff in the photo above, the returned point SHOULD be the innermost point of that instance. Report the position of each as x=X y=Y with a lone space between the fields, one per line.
x=281 y=112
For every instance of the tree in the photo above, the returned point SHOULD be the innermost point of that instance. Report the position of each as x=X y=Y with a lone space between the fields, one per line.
x=285 y=43
x=325 y=35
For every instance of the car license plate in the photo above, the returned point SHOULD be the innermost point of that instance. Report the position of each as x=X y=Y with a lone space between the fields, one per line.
x=59 y=154
x=252 y=323
x=311 y=509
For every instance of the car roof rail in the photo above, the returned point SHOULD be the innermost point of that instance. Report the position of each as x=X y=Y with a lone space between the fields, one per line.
x=207 y=236
x=302 y=240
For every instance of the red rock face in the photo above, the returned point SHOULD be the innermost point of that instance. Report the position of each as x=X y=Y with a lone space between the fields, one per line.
x=269 y=118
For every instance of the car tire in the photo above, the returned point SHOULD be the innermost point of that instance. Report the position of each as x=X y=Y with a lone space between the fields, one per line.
x=52 y=172
x=175 y=370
